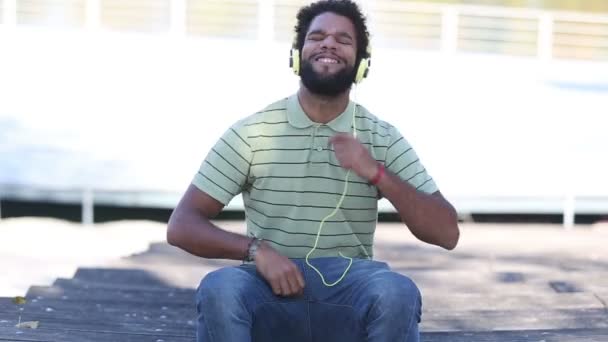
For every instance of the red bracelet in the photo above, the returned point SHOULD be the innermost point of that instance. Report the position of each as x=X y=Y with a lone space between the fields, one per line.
x=378 y=175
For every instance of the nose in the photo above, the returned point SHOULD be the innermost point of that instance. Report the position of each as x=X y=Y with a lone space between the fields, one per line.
x=329 y=42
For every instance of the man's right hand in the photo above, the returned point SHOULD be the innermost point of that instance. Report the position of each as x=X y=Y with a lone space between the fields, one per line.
x=282 y=274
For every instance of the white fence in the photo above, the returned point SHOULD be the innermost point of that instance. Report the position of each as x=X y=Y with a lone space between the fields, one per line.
x=500 y=128
x=401 y=24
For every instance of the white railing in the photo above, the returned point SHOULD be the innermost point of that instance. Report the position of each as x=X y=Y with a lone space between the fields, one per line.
x=88 y=198
x=550 y=29
x=505 y=30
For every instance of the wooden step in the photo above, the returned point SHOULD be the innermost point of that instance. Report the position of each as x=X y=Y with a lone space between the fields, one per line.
x=124 y=317
x=169 y=311
x=92 y=284
x=155 y=328
x=108 y=310
x=485 y=320
x=115 y=322
x=431 y=302
x=558 y=335
x=507 y=301
x=107 y=304
x=130 y=295
x=65 y=335
x=118 y=276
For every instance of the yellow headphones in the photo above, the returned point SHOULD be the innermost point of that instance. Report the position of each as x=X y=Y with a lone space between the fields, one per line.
x=362 y=69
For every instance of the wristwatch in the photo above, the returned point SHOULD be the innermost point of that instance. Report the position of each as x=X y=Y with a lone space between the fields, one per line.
x=252 y=249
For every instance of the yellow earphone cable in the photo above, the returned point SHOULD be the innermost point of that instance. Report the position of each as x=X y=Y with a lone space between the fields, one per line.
x=333 y=213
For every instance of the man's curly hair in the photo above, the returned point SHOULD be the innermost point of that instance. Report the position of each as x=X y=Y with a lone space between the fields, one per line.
x=346 y=8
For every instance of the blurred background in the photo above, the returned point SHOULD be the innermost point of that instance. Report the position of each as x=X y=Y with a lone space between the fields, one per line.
x=108 y=107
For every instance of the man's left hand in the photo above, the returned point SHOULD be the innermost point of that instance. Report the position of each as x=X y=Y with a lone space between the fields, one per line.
x=352 y=155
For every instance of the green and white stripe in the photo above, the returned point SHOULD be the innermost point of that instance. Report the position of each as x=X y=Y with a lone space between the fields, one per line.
x=290 y=178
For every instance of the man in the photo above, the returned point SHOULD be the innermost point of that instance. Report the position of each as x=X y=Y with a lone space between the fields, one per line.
x=292 y=162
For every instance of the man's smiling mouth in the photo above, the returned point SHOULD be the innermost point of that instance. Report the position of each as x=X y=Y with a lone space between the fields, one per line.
x=327 y=60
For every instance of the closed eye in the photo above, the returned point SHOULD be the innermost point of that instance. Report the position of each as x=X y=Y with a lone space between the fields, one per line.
x=341 y=38
x=344 y=38
x=345 y=41
x=315 y=37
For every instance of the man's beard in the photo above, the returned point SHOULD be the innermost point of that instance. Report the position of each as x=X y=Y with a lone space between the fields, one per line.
x=331 y=85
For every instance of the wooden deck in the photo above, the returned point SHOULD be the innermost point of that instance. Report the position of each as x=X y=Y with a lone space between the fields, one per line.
x=466 y=297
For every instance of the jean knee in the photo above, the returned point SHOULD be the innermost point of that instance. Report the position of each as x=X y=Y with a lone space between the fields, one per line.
x=221 y=288
x=394 y=293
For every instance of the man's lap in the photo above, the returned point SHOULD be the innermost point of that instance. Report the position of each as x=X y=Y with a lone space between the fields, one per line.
x=338 y=312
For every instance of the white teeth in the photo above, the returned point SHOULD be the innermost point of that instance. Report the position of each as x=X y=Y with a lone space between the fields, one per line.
x=328 y=60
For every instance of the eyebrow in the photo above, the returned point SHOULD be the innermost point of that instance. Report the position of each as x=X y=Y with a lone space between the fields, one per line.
x=341 y=33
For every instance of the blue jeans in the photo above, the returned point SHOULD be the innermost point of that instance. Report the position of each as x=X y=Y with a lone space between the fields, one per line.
x=372 y=303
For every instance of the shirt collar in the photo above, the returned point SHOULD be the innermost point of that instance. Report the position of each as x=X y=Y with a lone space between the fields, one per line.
x=298 y=118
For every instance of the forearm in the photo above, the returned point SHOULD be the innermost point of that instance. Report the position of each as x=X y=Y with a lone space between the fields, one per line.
x=430 y=218
x=196 y=234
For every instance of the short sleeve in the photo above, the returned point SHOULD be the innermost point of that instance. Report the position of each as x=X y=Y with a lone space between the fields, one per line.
x=224 y=172
x=402 y=160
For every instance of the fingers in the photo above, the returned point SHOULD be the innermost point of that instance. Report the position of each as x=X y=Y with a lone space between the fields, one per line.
x=300 y=279
x=279 y=285
x=281 y=273
x=276 y=287
x=340 y=137
x=296 y=287
x=285 y=287
x=290 y=284
x=340 y=144
x=285 y=279
x=301 y=284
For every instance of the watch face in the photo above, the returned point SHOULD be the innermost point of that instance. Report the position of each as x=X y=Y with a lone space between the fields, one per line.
x=253 y=248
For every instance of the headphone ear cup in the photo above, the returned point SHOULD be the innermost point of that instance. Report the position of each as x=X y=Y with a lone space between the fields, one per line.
x=362 y=70
x=294 y=61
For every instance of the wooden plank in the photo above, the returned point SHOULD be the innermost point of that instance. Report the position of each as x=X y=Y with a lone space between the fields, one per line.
x=74 y=283
x=112 y=321
x=42 y=334
x=430 y=282
x=118 y=276
x=118 y=317
x=93 y=322
x=559 y=335
x=487 y=320
x=140 y=313
x=54 y=335
x=459 y=302
x=511 y=336
x=106 y=321
x=135 y=303
x=130 y=295
x=67 y=334
x=117 y=313
x=499 y=302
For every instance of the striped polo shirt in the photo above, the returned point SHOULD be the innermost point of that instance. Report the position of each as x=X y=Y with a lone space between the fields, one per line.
x=290 y=179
